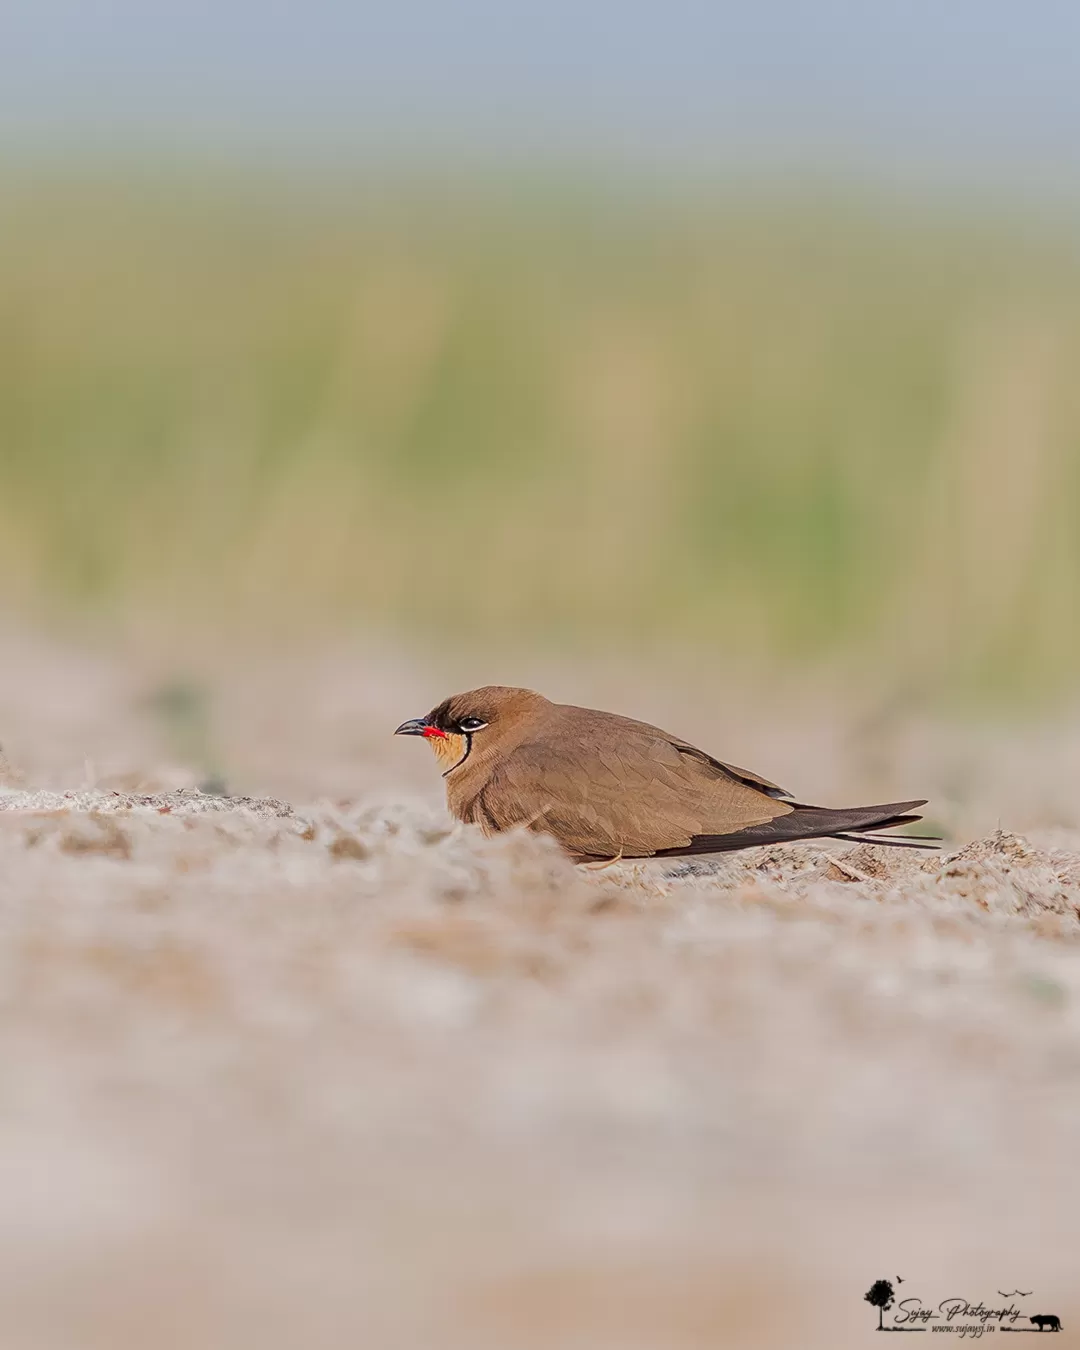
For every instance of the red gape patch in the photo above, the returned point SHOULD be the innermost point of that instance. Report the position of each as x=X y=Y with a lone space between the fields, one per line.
x=428 y=732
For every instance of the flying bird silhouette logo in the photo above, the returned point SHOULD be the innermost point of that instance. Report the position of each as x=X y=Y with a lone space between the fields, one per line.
x=1016 y=1293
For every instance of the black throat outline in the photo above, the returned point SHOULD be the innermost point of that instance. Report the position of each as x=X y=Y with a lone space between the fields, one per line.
x=465 y=756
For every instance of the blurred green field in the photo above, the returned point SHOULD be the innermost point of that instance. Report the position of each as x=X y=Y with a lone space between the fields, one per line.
x=546 y=415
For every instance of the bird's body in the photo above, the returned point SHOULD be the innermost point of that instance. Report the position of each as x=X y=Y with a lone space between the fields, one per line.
x=609 y=787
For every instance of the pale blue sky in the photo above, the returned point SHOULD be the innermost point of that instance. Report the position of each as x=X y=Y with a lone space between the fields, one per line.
x=971 y=89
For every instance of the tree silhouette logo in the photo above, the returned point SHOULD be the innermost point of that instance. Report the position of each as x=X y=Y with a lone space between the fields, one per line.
x=880 y=1296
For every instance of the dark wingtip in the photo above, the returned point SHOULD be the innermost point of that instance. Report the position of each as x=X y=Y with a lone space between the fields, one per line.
x=804 y=822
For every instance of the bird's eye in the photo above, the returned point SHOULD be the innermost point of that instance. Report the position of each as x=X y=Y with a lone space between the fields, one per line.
x=472 y=723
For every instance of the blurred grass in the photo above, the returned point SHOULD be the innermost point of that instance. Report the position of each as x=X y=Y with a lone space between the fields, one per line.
x=784 y=429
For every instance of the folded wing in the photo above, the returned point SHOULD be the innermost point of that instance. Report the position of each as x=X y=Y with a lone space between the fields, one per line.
x=627 y=790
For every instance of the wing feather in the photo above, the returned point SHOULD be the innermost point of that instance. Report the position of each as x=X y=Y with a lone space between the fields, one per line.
x=605 y=790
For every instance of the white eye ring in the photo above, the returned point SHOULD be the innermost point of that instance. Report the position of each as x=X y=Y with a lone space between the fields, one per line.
x=471 y=724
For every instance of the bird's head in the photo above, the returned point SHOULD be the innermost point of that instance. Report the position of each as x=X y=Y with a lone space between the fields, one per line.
x=482 y=720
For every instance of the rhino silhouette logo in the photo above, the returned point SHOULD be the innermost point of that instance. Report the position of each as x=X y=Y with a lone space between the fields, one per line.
x=1044 y=1320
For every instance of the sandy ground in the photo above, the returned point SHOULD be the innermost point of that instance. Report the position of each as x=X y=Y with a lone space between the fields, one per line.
x=315 y=1066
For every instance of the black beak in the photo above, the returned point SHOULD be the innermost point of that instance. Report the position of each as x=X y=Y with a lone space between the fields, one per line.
x=416 y=726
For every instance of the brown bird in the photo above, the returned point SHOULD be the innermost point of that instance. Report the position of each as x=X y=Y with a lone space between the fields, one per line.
x=608 y=787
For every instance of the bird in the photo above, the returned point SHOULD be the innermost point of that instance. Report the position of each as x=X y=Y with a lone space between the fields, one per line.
x=610 y=788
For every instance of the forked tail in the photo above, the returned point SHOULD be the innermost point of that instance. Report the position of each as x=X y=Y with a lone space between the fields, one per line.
x=857 y=824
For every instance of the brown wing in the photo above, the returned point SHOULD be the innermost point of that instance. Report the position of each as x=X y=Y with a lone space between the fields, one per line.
x=606 y=786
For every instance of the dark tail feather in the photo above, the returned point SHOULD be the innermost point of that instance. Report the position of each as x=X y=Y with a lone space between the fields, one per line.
x=805 y=822
x=923 y=841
